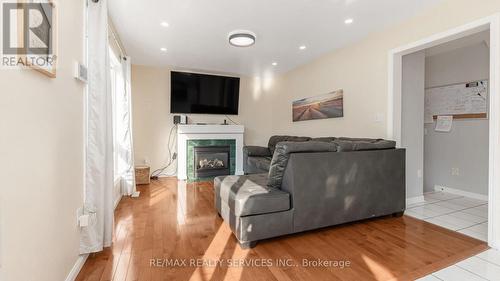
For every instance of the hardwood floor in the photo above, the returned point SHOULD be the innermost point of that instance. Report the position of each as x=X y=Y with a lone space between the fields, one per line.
x=177 y=221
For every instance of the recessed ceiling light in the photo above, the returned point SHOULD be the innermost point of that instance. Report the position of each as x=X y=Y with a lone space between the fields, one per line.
x=302 y=47
x=349 y=21
x=163 y=50
x=242 y=38
x=274 y=63
x=164 y=24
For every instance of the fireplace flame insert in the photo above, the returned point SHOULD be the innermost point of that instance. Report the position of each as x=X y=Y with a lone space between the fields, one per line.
x=211 y=161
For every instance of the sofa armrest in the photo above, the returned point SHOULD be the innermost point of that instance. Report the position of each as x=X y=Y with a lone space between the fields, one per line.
x=258 y=151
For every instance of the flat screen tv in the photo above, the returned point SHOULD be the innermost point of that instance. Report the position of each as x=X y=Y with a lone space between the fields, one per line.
x=203 y=93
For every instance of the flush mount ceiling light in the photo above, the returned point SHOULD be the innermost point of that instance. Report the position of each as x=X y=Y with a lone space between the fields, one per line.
x=163 y=49
x=348 y=21
x=242 y=38
x=164 y=24
x=302 y=47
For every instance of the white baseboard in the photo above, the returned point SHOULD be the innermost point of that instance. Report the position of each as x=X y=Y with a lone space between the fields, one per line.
x=77 y=267
x=117 y=201
x=413 y=200
x=461 y=192
x=117 y=191
x=170 y=176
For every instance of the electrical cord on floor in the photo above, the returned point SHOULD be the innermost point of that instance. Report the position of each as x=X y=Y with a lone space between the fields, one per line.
x=171 y=157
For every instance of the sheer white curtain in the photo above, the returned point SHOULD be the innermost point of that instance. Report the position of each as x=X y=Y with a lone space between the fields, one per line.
x=124 y=141
x=99 y=135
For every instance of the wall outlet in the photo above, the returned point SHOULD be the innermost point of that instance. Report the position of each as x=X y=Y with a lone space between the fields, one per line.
x=83 y=220
x=79 y=213
x=419 y=174
x=455 y=171
x=85 y=217
x=146 y=161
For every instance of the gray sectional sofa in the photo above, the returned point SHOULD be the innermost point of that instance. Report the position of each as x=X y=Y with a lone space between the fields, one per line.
x=257 y=159
x=310 y=184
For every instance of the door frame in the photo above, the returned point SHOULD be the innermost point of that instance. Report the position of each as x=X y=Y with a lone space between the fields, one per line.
x=491 y=23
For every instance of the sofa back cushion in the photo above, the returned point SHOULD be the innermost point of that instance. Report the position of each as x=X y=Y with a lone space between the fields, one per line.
x=360 y=144
x=276 y=139
x=324 y=139
x=282 y=154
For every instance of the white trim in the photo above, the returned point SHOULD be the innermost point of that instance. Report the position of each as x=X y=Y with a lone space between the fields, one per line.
x=394 y=104
x=210 y=129
x=414 y=200
x=168 y=176
x=216 y=132
x=494 y=131
x=77 y=267
x=461 y=192
x=118 y=196
x=117 y=201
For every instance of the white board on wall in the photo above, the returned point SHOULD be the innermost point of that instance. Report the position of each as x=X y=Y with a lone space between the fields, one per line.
x=463 y=100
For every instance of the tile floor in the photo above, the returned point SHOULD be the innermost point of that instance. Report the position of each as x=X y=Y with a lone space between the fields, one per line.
x=484 y=266
x=458 y=213
x=467 y=216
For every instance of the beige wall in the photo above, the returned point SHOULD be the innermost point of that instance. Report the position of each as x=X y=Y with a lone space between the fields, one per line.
x=361 y=70
x=152 y=120
x=41 y=148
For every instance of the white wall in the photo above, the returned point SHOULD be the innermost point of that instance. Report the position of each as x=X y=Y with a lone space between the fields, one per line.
x=466 y=146
x=412 y=121
x=41 y=148
x=152 y=120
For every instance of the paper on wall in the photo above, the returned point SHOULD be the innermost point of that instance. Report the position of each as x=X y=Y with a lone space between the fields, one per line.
x=444 y=123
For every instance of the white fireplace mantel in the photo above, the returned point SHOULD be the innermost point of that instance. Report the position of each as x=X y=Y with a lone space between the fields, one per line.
x=205 y=132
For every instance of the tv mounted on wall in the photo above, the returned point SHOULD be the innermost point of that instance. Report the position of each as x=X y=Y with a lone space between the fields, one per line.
x=203 y=93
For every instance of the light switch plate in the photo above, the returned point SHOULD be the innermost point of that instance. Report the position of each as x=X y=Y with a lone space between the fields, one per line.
x=81 y=72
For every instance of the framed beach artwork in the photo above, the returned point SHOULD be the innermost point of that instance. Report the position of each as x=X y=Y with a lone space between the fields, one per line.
x=329 y=105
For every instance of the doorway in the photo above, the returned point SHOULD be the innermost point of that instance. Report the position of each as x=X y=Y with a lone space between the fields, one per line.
x=396 y=107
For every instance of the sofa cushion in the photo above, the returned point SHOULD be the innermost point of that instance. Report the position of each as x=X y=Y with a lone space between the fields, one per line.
x=324 y=139
x=282 y=154
x=249 y=195
x=356 y=139
x=252 y=150
x=360 y=144
x=260 y=163
x=277 y=139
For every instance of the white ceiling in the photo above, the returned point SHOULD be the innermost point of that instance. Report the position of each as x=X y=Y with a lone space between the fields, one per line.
x=197 y=34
